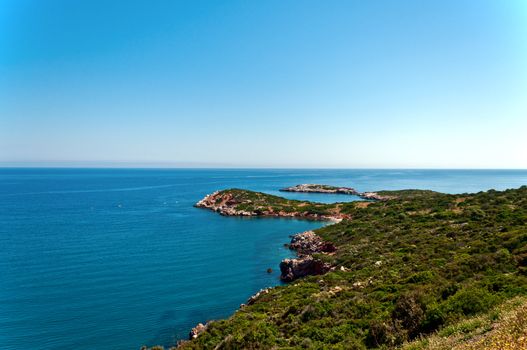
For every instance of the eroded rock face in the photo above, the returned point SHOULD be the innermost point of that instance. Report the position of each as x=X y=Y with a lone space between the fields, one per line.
x=292 y=269
x=196 y=331
x=223 y=203
x=307 y=243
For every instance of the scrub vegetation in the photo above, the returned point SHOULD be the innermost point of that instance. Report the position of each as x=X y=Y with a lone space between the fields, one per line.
x=423 y=270
x=259 y=202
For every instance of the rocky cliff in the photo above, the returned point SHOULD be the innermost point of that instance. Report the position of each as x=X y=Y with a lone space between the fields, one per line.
x=306 y=244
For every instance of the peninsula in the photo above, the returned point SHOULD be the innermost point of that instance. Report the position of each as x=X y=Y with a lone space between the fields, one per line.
x=413 y=270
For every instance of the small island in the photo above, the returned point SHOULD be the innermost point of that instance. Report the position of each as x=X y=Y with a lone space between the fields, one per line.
x=315 y=188
x=413 y=270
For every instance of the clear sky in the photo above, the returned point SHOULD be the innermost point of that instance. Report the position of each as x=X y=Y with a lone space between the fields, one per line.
x=264 y=83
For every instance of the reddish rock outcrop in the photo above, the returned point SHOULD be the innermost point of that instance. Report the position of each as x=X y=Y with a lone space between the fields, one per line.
x=307 y=243
x=223 y=203
x=291 y=269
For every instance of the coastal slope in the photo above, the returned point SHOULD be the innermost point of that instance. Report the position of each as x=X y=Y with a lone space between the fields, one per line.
x=400 y=270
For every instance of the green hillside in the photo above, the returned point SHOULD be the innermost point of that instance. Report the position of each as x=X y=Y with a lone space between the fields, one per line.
x=405 y=269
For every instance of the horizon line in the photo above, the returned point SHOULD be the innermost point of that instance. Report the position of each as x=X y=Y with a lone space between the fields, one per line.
x=245 y=168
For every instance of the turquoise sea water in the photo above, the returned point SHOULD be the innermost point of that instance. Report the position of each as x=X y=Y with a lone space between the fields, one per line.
x=118 y=258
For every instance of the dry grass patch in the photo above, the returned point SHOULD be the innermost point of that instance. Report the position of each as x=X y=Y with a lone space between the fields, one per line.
x=504 y=328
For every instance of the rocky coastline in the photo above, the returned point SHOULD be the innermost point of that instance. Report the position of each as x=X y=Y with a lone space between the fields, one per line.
x=225 y=203
x=314 y=188
x=305 y=244
x=388 y=273
x=308 y=243
x=196 y=331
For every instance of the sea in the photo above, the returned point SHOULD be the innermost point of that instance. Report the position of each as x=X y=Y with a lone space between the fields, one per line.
x=120 y=258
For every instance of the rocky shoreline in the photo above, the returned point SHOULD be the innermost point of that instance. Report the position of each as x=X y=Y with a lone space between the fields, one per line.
x=306 y=244
x=390 y=278
x=224 y=203
x=314 y=188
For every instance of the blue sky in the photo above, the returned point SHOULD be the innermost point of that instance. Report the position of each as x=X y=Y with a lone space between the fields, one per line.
x=426 y=84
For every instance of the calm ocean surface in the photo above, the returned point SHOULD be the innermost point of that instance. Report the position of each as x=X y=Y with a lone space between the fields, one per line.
x=118 y=258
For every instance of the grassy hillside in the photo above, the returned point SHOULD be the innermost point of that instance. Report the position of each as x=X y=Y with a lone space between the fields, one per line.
x=503 y=328
x=406 y=269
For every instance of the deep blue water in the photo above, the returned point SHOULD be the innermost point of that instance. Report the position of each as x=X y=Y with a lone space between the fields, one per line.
x=118 y=258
